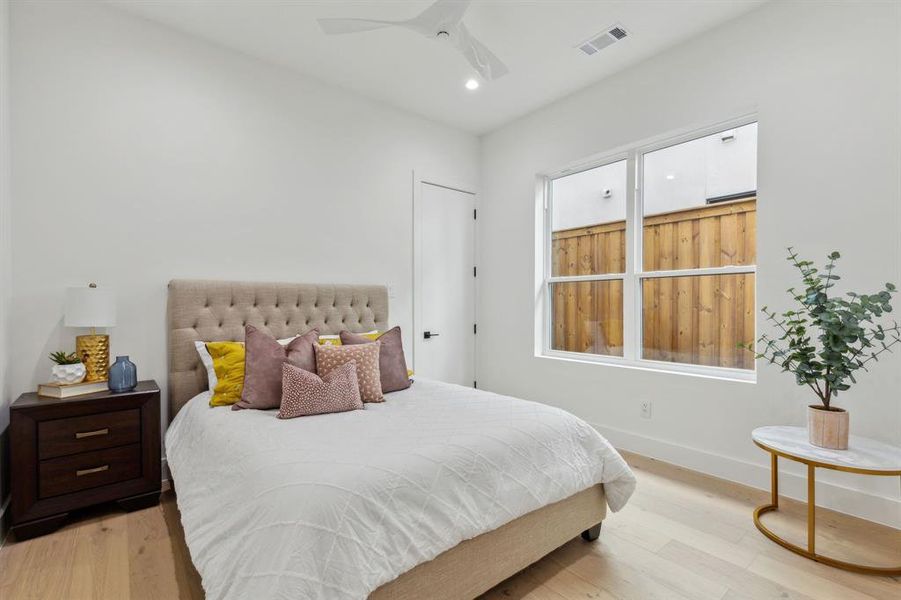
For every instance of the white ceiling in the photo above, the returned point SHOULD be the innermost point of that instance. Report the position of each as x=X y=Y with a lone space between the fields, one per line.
x=534 y=38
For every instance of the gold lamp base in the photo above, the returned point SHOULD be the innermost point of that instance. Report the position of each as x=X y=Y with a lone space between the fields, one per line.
x=93 y=350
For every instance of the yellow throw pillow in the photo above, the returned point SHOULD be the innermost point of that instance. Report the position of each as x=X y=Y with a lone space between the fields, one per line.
x=329 y=340
x=335 y=340
x=228 y=362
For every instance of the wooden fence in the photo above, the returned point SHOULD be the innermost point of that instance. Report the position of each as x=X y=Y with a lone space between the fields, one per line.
x=696 y=320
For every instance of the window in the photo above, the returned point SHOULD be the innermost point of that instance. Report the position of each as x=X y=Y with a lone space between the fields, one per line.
x=588 y=259
x=650 y=256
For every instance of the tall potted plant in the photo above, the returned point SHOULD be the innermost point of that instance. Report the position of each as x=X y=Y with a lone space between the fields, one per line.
x=826 y=340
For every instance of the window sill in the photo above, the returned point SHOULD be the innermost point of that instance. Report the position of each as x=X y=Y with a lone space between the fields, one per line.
x=653 y=366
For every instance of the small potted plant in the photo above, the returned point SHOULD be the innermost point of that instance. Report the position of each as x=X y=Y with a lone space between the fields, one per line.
x=68 y=368
x=826 y=340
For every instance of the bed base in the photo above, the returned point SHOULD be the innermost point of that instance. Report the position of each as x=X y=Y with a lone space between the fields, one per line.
x=474 y=566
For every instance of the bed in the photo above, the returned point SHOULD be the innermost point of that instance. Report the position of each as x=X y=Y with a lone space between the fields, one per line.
x=440 y=492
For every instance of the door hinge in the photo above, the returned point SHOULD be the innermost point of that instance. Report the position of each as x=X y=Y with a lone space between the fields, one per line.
x=474 y=272
x=475 y=328
x=474 y=213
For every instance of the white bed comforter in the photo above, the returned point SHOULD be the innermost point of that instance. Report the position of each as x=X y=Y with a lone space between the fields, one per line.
x=333 y=506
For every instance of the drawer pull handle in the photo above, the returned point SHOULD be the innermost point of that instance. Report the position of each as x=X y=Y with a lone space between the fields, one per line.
x=86 y=434
x=81 y=472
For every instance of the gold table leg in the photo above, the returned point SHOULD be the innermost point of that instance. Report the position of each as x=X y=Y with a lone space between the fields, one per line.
x=811 y=510
x=774 y=479
x=810 y=552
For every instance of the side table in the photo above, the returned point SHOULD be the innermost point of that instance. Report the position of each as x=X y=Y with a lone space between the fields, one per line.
x=863 y=456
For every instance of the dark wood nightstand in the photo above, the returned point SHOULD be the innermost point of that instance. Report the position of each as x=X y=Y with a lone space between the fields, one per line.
x=75 y=452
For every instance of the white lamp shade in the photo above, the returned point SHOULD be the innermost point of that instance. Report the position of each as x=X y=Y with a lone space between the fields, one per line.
x=90 y=307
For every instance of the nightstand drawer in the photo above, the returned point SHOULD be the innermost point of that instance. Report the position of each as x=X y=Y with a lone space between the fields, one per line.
x=62 y=437
x=89 y=469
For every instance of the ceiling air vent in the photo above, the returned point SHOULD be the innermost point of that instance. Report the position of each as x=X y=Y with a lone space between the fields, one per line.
x=610 y=36
x=618 y=32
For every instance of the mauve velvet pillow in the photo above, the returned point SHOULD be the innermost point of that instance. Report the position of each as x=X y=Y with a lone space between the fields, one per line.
x=392 y=365
x=305 y=393
x=263 y=360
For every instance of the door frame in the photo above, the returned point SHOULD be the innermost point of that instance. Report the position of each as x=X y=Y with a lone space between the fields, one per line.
x=417 y=181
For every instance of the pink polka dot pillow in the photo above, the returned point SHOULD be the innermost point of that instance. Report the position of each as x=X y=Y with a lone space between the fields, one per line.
x=305 y=393
x=366 y=357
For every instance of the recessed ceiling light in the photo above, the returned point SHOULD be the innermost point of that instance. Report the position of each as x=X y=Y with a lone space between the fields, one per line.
x=472 y=84
x=671 y=176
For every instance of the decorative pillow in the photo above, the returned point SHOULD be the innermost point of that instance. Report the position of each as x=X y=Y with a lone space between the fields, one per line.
x=305 y=393
x=228 y=363
x=335 y=340
x=207 y=360
x=392 y=366
x=366 y=356
x=263 y=366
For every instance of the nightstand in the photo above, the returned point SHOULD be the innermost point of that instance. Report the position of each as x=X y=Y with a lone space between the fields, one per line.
x=71 y=453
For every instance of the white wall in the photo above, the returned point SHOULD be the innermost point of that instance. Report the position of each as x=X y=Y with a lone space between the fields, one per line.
x=686 y=175
x=579 y=199
x=5 y=259
x=143 y=155
x=824 y=80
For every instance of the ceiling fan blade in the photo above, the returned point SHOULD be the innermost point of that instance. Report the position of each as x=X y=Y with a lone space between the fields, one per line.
x=481 y=58
x=442 y=15
x=339 y=26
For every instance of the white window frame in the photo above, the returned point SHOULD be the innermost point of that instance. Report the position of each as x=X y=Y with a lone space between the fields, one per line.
x=634 y=275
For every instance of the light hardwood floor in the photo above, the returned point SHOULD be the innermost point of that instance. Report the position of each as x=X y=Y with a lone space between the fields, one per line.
x=682 y=536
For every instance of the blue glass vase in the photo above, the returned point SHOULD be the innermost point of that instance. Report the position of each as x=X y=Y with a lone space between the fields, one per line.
x=123 y=375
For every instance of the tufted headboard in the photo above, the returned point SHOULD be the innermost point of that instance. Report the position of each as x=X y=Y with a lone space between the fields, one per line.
x=212 y=311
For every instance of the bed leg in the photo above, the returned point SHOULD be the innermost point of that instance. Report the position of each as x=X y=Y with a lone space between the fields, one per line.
x=593 y=533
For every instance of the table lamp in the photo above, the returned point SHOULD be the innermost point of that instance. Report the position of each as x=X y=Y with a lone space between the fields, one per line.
x=93 y=307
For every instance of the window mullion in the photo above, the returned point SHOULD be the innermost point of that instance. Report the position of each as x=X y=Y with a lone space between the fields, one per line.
x=699 y=272
x=631 y=321
x=585 y=278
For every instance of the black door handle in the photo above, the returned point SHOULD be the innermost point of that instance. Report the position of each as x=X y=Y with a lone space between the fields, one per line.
x=429 y=334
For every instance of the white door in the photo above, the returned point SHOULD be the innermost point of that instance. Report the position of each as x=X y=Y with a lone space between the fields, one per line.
x=444 y=342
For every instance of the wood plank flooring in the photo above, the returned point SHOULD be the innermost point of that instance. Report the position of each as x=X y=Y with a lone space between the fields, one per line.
x=683 y=536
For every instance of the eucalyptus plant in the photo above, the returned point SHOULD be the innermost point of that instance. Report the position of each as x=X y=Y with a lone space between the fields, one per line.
x=827 y=338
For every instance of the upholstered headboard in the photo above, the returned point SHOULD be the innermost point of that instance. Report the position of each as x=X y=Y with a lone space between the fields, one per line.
x=212 y=311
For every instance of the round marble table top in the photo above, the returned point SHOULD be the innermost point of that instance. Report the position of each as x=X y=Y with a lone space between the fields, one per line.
x=862 y=453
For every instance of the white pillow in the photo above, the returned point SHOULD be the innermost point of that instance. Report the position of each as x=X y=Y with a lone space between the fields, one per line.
x=207 y=360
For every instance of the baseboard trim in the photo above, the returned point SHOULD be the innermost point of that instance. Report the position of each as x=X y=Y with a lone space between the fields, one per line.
x=4 y=520
x=857 y=503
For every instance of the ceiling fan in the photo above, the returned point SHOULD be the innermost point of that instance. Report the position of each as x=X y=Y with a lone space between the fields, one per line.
x=443 y=20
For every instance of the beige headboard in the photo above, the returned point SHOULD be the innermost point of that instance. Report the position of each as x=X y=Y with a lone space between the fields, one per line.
x=212 y=311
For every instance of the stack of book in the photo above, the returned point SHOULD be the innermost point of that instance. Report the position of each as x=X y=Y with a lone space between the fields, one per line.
x=67 y=390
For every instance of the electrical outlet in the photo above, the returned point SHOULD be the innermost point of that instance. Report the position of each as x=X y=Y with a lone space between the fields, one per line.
x=645 y=409
x=392 y=292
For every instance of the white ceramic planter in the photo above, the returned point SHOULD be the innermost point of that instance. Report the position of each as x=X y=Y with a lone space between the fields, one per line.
x=67 y=374
x=828 y=428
